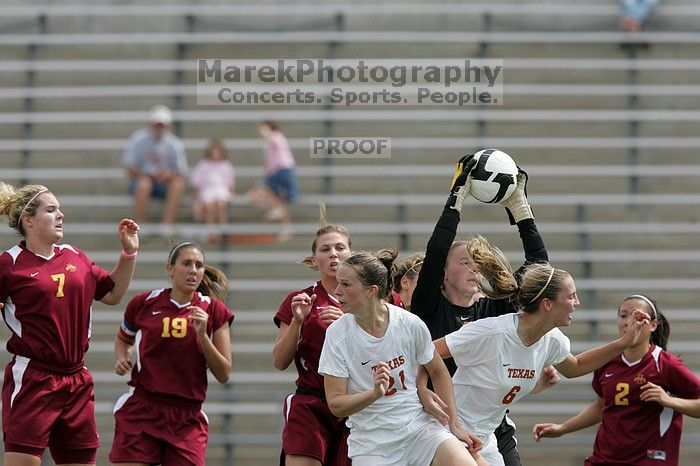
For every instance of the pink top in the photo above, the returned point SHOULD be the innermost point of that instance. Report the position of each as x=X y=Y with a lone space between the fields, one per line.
x=278 y=154
x=213 y=180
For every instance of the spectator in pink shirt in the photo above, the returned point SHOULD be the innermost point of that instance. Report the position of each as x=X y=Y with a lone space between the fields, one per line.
x=214 y=181
x=280 y=183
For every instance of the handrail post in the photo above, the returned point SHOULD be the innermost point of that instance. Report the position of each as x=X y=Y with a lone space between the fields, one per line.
x=633 y=105
x=328 y=130
x=590 y=297
x=404 y=235
x=487 y=23
x=30 y=81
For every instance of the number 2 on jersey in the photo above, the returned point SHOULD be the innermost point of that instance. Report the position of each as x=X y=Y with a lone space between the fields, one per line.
x=623 y=389
x=176 y=327
x=61 y=279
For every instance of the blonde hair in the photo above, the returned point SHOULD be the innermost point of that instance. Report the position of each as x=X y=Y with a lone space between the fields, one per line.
x=16 y=201
x=408 y=267
x=214 y=282
x=324 y=228
x=492 y=265
x=374 y=268
x=540 y=281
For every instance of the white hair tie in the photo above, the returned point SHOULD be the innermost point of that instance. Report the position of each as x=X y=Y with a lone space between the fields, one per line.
x=551 y=274
x=646 y=300
x=41 y=191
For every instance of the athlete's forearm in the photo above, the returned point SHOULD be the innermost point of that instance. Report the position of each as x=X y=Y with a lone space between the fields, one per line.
x=588 y=361
x=590 y=416
x=217 y=353
x=121 y=276
x=442 y=383
x=685 y=406
x=346 y=405
x=285 y=347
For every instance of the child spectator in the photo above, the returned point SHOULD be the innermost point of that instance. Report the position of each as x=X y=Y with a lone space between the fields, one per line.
x=214 y=181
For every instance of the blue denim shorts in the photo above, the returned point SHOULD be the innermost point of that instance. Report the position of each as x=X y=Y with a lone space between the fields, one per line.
x=284 y=183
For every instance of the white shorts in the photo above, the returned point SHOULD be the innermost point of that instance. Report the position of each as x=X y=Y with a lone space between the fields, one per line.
x=490 y=451
x=386 y=448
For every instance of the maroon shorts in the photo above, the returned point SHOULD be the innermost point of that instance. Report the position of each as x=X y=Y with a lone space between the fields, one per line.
x=150 y=431
x=310 y=429
x=43 y=409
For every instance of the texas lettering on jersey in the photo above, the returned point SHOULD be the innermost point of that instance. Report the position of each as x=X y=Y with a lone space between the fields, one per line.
x=394 y=363
x=514 y=373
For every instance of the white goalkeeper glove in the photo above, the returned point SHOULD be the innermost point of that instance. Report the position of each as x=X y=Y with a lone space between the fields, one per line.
x=516 y=205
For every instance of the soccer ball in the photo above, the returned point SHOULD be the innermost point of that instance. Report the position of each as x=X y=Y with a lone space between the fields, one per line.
x=494 y=177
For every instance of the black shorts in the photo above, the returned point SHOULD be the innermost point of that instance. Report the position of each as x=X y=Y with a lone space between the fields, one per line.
x=507 y=444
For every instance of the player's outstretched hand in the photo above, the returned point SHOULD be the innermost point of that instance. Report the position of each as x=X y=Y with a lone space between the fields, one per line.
x=546 y=430
x=633 y=331
x=516 y=205
x=129 y=235
x=433 y=405
x=459 y=189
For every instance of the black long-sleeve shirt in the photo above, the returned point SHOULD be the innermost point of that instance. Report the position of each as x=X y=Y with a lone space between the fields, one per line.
x=431 y=305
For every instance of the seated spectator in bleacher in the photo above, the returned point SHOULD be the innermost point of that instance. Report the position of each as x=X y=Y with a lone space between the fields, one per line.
x=633 y=13
x=177 y=335
x=156 y=164
x=214 y=181
x=280 y=184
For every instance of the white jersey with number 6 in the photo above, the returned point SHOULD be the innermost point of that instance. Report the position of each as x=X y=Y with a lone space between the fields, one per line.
x=495 y=369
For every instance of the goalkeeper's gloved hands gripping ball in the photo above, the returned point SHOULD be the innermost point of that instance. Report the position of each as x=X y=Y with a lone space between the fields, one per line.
x=459 y=189
x=516 y=205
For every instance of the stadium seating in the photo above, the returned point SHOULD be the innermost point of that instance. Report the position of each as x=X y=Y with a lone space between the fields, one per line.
x=608 y=135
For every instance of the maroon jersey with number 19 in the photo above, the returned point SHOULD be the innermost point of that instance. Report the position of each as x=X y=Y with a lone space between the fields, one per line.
x=639 y=432
x=48 y=303
x=169 y=359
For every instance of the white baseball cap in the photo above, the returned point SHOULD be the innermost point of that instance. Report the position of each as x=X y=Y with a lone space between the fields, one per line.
x=160 y=114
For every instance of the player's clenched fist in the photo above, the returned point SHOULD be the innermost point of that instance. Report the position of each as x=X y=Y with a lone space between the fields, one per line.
x=301 y=306
x=381 y=379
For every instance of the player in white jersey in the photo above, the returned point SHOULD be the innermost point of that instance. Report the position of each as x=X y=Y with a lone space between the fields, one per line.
x=499 y=359
x=370 y=359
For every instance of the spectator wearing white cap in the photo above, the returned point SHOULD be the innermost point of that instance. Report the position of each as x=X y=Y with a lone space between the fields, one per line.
x=156 y=164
